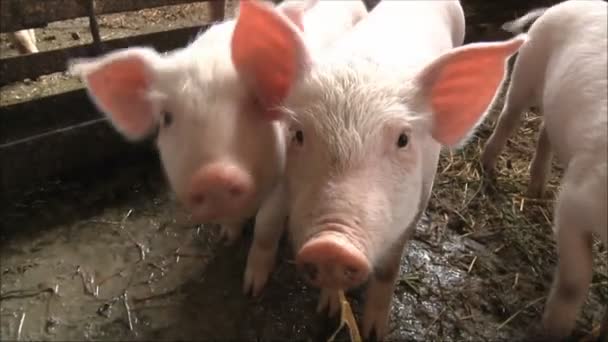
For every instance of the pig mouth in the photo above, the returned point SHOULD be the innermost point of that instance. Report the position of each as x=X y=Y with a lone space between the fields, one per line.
x=216 y=216
x=332 y=259
x=221 y=213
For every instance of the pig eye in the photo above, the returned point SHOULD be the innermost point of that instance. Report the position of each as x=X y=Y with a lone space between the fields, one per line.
x=299 y=137
x=402 y=141
x=167 y=119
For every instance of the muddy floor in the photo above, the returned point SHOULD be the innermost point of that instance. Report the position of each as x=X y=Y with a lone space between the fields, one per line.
x=111 y=257
x=114 y=259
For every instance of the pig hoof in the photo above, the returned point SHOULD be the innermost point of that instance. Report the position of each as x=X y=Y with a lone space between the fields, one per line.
x=259 y=265
x=229 y=234
x=488 y=163
x=375 y=320
x=488 y=171
x=329 y=300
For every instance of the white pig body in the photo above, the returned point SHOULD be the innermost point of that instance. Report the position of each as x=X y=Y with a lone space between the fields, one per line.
x=367 y=119
x=563 y=70
x=432 y=26
x=221 y=150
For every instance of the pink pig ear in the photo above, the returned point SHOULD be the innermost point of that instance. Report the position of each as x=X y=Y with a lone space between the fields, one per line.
x=267 y=52
x=119 y=85
x=461 y=84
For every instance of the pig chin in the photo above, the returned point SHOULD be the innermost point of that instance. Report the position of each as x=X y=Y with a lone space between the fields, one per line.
x=220 y=214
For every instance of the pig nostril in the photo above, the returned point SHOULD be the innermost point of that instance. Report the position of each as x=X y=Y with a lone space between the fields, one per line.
x=198 y=199
x=350 y=272
x=310 y=270
x=236 y=191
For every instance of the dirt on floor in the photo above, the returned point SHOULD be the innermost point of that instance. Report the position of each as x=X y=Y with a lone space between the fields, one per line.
x=85 y=261
x=112 y=257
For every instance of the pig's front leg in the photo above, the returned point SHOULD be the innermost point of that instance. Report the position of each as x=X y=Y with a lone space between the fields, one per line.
x=267 y=232
x=379 y=294
x=231 y=232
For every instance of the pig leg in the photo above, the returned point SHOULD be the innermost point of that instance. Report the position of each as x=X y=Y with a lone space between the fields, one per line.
x=379 y=294
x=518 y=98
x=269 y=226
x=231 y=232
x=574 y=269
x=540 y=168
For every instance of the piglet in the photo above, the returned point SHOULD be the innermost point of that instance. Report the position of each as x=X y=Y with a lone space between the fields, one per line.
x=221 y=148
x=562 y=69
x=367 y=119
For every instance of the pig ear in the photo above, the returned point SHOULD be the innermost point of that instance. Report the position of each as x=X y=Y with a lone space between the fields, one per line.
x=119 y=84
x=267 y=52
x=461 y=84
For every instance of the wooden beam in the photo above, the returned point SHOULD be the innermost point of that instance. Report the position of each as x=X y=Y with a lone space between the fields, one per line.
x=63 y=152
x=23 y=14
x=26 y=119
x=31 y=66
x=61 y=135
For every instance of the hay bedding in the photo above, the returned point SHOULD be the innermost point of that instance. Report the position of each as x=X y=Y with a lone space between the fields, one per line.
x=518 y=230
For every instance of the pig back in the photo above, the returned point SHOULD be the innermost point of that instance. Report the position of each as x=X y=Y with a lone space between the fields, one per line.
x=342 y=15
x=574 y=95
x=405 y=34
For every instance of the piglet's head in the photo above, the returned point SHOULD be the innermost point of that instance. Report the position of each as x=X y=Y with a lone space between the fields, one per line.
x=205 y=124
x=268 y=52
x=363 y=144
x=219 y=146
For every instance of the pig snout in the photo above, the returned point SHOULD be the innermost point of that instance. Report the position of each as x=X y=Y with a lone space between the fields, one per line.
x=219 y=190
x=330 y=260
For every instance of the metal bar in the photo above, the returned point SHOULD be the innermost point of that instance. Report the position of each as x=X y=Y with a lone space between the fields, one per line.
x=31 y=66
x=94 y=27
x=63 y=152
x=24 y=14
